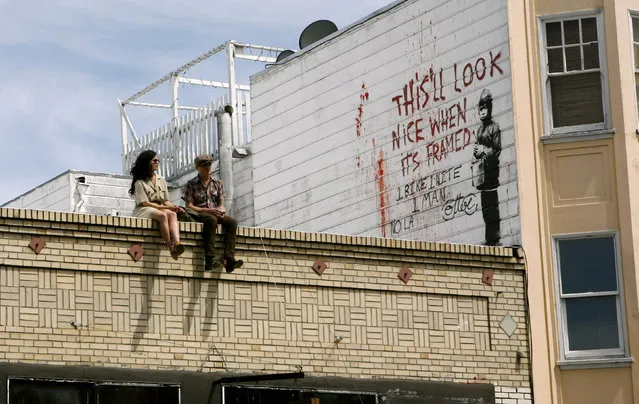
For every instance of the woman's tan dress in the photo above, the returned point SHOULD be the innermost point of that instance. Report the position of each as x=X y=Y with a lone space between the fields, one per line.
x=145 y=191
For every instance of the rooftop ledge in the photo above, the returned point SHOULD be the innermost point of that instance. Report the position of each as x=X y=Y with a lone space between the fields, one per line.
x=107 y=224
x=102 y=244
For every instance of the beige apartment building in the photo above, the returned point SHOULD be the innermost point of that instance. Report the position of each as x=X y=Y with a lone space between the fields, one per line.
x=574 y=70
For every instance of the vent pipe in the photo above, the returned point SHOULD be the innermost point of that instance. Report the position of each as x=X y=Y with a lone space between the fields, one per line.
x=225 y=143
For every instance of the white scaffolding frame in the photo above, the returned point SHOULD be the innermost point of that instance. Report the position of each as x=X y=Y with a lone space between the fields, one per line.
x=258 y=53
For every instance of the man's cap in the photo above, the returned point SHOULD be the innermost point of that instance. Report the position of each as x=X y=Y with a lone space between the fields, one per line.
x=203 y=159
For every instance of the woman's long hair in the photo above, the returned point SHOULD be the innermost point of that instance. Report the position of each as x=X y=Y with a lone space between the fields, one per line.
x=142 y=169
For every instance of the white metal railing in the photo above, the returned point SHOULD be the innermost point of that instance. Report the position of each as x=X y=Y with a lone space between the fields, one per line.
x=242 y=118
x=178 y=143
x=196 y=132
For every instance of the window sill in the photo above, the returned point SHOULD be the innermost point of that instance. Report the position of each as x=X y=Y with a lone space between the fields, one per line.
x=578 y=136
x=619 y=362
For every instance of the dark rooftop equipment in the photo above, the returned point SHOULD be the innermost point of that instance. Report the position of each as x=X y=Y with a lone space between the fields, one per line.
x=316 y=31
x=283 y=55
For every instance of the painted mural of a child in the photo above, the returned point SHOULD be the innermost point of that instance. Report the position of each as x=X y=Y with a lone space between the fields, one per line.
x=486 y=167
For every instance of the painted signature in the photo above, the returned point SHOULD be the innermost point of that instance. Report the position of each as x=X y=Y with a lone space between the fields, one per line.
x=461 y=204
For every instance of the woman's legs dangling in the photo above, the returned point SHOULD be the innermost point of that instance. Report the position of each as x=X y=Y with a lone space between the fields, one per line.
x=163 y=223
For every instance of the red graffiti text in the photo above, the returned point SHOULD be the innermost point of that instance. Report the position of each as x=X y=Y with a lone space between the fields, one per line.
x=452 y=142
x=418 y=93
x=448 y=118
x=477 y=70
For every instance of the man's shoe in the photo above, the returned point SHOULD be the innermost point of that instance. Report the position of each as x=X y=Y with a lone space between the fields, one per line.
x=231 y=264
x=210 y=262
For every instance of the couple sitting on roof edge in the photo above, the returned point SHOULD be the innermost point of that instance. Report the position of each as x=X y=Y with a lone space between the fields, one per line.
x=204 y=197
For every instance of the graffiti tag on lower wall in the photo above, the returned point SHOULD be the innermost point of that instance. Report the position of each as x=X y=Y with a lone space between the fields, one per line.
x=460 y=204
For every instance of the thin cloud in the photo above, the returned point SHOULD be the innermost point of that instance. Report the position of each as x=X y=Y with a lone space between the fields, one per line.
x=66 y=62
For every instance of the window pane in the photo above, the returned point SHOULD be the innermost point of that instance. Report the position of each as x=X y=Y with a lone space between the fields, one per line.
x=636 y=56
x=588 y=265
x=571 y=31
x=592 y=323
x=591 y=56
x=635 y=29
x=248 y=394
x=110 y=394
x=553 y=34
x=45 y=392
x=589 y=30
x=555 y=60
x=576 y=99
x=573 y=58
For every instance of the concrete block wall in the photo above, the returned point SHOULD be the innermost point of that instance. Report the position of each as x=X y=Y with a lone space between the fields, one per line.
x=84 y=301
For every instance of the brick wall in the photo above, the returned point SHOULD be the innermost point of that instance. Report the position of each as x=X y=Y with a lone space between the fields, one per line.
x=84 y=301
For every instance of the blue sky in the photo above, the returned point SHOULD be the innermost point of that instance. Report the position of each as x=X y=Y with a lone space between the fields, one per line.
x=65 y=63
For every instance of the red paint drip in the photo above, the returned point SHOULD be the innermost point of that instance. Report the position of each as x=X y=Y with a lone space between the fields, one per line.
x=363 y=97
x=379 y=177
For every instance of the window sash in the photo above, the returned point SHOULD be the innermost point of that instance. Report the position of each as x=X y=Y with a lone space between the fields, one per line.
x=580 y=44
x=588 y=294
x=565 y=352
x=574 y=73
x=550 y=127
x=592 y=353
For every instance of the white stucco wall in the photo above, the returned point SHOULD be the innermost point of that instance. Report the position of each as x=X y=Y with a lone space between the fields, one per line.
x=100 y=194
x=105 y=194
x=325 y=154
x=52 y=195
x=243 y=192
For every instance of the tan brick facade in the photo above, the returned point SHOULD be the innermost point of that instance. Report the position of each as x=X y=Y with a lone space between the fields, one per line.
x=84 y=301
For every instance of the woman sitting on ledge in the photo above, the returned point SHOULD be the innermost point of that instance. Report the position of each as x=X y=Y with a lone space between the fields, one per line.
x=151 y=195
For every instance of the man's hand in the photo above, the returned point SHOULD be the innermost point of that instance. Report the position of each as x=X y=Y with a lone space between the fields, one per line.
x=217 y=213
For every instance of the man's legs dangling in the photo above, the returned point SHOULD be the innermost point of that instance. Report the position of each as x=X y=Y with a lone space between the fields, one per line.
x=229 y=225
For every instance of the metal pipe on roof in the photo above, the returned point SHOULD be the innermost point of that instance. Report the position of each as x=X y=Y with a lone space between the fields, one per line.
x=225 y=134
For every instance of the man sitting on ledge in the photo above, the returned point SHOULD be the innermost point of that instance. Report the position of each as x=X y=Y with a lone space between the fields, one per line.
x=204 y=197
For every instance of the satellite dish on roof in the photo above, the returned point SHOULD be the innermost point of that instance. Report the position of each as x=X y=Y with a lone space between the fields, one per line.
x=283 y=55
x=316 y=31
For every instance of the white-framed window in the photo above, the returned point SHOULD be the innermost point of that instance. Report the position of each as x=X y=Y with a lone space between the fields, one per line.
x=634 y=19
x=590 y=299
x=575 y=84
